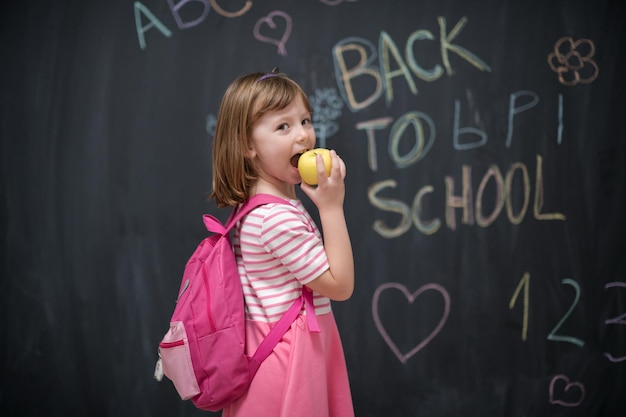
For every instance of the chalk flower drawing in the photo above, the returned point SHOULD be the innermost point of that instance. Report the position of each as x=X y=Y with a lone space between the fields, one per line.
x=572 y=61
x=327 y=107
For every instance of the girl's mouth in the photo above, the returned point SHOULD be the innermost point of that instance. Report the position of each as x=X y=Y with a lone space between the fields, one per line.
x=294 y=160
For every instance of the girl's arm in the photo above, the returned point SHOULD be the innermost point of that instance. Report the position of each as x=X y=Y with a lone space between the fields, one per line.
x=337 y=282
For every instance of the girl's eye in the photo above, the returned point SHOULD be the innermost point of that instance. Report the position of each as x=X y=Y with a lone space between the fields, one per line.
x=283 y=126
x=306 y=122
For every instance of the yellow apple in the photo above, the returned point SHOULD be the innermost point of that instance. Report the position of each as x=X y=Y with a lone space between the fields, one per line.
x=307 y=166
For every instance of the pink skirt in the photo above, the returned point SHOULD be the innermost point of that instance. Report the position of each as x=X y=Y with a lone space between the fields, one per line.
x=305 y=376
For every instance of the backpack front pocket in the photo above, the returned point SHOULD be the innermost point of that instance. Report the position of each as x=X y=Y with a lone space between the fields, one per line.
x=176 y=361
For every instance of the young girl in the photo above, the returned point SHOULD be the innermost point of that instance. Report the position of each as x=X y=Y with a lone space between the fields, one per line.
x=264 y=124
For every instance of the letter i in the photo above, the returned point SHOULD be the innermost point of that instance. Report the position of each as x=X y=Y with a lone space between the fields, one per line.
x=559 y=131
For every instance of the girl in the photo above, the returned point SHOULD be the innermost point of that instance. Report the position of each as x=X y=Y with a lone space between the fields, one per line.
x=264 y=124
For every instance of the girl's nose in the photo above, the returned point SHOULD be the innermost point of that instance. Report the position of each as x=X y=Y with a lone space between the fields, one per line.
x=302 y=134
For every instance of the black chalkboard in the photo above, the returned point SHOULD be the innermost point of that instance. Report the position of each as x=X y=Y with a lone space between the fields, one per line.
x=485 y=194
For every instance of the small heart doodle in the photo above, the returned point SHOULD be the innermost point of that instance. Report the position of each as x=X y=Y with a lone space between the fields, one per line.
x=574 y=392
x=279 y=40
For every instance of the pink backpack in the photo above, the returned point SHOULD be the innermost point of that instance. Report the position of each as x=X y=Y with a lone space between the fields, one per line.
x=203 y=353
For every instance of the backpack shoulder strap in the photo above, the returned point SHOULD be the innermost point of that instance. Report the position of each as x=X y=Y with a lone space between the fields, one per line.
x=249 y=205
x=280 y=328
x=214 y=225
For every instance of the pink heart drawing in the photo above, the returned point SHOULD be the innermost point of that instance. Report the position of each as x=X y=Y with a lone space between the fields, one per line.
x=269 y=21
x=577 y=390
x=403 y=357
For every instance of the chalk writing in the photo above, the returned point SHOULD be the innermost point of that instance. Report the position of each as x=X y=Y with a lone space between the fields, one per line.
x=424 y=131
x=472 y=212
x=615 y=320
x=403 y=357
x=458 y=131
x=382 y=75
x=275 y=35
x=364 y=66
x=194 y=18
x=513 y=110
x=621 y=319
x=237 y=13
x=182 y=24
x=560 y=338
x=559 y=131
x=612 y=358
x=485 y=220
x=141 y=29
x=420 y=148
x=572 y=61
x=327 y=106
x=525 y=284
x=566 y=393
x=510 y=175
x=370 y=126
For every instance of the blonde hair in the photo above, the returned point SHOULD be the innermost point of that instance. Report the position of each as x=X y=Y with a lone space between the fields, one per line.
x=247 y=99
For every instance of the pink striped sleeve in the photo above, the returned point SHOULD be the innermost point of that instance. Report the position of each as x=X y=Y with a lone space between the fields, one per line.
x=291 y=236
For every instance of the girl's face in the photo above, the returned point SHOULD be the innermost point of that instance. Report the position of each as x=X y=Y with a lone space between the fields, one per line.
x=278 y=138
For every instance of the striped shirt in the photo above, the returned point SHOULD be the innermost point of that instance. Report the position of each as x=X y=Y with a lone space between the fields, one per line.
x=278 y=249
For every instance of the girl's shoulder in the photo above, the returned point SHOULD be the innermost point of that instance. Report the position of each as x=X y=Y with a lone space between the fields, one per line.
x=281 y=215
x=294 y=208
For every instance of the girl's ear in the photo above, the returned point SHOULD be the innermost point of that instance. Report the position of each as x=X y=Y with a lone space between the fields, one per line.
x=250 y=152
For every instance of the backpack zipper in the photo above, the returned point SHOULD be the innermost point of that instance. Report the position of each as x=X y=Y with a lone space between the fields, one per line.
x=185 y=286
x=208 y=298
x=169 y=345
